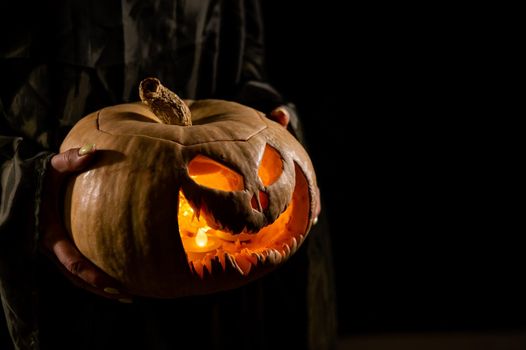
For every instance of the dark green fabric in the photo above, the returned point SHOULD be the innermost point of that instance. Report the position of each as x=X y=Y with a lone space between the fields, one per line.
x=20 y=185
x=61 y=60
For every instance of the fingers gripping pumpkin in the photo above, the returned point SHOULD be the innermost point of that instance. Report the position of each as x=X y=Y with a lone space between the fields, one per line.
x=179 y=206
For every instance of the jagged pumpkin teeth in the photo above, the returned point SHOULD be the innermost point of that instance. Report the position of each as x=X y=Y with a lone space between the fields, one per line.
x=204 y=271
x=243 y=263
x=277 y=256
x=269 y=257
x=237 y=267
x=293 y=245
x=198 y=268
x=251 y=257
x=230 y=259
x=258 y=256
x=207 y=262
x=273 y=257
x=262 y=256
x=221 y=258
x=286 y=250
x=185 y=199
x=216 y=266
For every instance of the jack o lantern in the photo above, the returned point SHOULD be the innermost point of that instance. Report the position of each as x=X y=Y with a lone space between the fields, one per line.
x=177 y=205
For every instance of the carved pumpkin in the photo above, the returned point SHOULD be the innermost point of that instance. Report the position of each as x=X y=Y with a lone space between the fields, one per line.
x=173 y=210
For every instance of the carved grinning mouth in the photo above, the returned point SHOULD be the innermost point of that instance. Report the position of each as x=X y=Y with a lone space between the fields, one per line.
x=208 y=249
x=205 y=246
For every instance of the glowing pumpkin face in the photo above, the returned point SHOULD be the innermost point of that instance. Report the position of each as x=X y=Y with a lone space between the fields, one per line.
x=172 y=210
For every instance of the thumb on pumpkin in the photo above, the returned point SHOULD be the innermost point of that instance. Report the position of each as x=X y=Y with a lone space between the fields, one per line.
x=55 y=242
x=73 y=160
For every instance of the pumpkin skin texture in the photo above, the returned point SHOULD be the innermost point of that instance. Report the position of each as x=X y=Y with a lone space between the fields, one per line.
x=152 y=190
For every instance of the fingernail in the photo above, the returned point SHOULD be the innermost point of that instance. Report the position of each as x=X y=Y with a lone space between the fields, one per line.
x=87 y=148
x=111 y=290
x=125 y=300
x=279 y=112
x=315 y=221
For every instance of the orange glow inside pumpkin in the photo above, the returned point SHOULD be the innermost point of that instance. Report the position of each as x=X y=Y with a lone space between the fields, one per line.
x=201 y=239
x=209 y=173
x=271 y=166
x=277 y=240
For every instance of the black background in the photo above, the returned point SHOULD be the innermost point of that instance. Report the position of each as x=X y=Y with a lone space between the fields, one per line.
x=422 y=212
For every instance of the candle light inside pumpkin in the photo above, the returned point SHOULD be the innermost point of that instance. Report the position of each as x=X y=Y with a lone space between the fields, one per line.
x=197 y=240
x=200 y=244
x=201 y=239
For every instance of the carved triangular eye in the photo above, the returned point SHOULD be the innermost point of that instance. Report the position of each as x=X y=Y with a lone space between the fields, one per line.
x=271 y=166
x=207 y=172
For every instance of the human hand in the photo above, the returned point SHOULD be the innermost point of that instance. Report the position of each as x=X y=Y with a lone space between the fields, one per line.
x=55 y=242
x=280 y=115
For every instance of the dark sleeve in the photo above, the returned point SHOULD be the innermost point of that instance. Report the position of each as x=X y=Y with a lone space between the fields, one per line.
x=22 y=166
x=255 y=90
x=319 y=298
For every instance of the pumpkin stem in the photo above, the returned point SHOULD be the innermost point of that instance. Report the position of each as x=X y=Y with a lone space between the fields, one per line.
x=164 y=103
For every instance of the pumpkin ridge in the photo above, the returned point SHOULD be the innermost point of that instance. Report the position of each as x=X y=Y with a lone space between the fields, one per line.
x=97 y=121
x=129 y=119
x=180 y=143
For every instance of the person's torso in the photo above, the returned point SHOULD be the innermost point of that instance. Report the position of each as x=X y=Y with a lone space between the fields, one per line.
x=70 y=58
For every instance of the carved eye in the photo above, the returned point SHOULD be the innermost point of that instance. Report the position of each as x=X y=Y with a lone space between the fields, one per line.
x=271 y=166
x=209 y=173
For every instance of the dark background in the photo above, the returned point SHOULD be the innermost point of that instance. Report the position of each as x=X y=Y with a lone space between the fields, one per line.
x=421 y=208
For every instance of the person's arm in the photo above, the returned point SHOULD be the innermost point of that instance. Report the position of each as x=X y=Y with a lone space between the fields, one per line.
x=30 y=181
x=55 y=242
x=31 y=186
x=255 y=90
x=319 y=293
x=21 y=172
